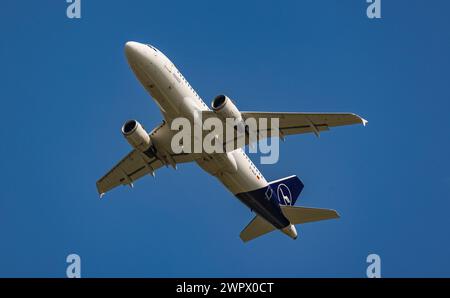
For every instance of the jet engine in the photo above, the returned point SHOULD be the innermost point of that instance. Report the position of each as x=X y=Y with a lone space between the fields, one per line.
x=225 y=108
x=136 y=135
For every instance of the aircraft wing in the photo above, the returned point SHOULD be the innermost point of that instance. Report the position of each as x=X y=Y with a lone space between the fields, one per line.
x=134 y=166
x=293 y=123
x=299 y=123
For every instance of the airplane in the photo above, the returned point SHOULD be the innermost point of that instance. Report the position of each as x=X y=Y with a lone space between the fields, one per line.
x=272 y=202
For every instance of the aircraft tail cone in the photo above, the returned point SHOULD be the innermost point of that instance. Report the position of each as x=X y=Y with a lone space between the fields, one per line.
x=291 y=231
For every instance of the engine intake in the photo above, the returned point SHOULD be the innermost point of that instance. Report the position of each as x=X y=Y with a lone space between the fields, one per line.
x=219 y=102
x=223 y=106
x=136 y=135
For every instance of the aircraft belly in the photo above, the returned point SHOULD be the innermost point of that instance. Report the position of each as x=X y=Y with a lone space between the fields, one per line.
x=232 y=169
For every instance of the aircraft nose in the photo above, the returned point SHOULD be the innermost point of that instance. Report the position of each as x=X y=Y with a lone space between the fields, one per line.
x=137 y=53
x=131 y=49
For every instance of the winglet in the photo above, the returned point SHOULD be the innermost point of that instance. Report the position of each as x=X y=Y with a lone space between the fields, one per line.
x=364 y=121
x=102 y=195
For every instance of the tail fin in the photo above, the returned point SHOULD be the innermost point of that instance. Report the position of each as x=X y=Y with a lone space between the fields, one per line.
x=287 y=189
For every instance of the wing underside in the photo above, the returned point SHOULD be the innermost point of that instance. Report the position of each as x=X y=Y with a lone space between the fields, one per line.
x=134 y=166
x=290 y=123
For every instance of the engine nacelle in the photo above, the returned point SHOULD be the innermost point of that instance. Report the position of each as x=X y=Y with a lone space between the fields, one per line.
x=225 y=108
x=136 y=135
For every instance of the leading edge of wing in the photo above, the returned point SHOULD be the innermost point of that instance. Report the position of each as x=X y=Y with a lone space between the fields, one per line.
x=282 y=115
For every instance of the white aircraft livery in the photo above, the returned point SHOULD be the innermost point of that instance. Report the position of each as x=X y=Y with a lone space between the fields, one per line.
x=272 y=202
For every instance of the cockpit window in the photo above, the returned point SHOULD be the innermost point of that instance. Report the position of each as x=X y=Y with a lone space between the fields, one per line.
x=152 y=47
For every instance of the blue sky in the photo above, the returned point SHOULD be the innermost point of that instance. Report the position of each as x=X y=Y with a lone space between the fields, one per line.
x=66 y=89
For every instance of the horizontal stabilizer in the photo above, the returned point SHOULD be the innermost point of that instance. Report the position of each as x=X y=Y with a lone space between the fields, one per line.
x=300 y=215
x=296 y=215
x=257 y=227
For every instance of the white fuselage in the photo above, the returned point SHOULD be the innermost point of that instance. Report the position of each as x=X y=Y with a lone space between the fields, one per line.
x=176 y=98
